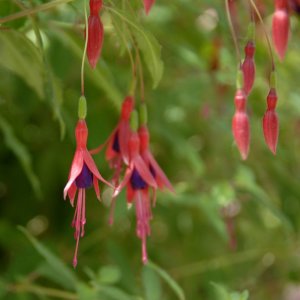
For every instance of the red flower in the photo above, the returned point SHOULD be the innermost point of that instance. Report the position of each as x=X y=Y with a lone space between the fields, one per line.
x=83 y=174
x=137 y=181
x=158 y=174
x=117 y=145
x=148 y=4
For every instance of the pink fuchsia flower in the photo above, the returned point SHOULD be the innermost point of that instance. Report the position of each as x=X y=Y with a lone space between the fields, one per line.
x=137 y=180
x=148 y=5
x=83 y=175
x=161 y=179
x=117 y=147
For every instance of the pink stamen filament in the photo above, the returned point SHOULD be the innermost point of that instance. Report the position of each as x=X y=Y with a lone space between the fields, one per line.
x=79 y=221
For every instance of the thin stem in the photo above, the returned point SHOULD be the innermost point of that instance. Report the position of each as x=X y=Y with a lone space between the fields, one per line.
x=85 y=47
x=32 y=11
x=39 y=290
x=133 y=67
x=233 y=33
x=141 y=77
x=265 y=32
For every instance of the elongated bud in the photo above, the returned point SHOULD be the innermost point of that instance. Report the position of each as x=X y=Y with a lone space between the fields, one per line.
x=248 y=67
x=240 y=124
x=281 y=27
x=95 y=6
x=95 y=39
x=148 y=4
x=271 y=122
x=241 y=133
x=82 y=108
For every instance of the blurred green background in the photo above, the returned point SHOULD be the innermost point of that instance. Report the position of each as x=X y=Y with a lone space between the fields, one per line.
x=233 y=227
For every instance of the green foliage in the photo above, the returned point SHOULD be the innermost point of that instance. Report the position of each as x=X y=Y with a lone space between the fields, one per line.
x=231 y=232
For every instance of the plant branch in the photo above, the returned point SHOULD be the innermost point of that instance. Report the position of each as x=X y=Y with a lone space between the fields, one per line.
x=32 y=11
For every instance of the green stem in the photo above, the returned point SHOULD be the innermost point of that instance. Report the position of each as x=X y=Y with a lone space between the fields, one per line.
x=85 y=47
x=233 y=33
x=39 y=290
x=32 y=11
x=265 y=32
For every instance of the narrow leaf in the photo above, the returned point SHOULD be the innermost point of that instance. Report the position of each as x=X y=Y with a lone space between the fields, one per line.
x=168 y=279
x=21 y=153
x=62 y=271
x=20 y=56
x=147 y=43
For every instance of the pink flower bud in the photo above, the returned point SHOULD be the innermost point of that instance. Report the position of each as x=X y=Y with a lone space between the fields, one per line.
x=148 y=4
x=270 y=122
x=248 y=67
x=95 y=39
x=280 y=29
x=95 y=6
x=271 y=129
x=241 y=133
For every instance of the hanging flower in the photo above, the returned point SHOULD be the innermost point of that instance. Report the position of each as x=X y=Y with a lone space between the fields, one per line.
x=137 y=181
x=83 y=175
x=117 y=147
x=161 y=179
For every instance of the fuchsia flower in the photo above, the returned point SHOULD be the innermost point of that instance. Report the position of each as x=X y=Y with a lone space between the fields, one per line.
x=117 y=147
x=83 y=175
x=95 y=33
x=148 y=4
x=161 y=179
x=137 y=181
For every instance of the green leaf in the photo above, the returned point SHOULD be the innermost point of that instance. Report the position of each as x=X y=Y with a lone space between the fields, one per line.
x=168 y=279
x=86 y=293
x=222 y=293
x=151 y=284
x=21 y=153
x=97 y=76
x=66 y=276
x=20 y=56
x=114 y=293
x=147 y=43
x=245 y=179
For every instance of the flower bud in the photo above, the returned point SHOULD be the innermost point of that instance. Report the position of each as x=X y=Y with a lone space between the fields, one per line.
x=248 y=67
x=95 y=39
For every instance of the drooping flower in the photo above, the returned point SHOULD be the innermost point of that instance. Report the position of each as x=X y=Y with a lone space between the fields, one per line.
x=83 y=175
x=117 y=147
x=137 y=180
x=240 y=124
x=281 y=27
x=95 y=33
x=270 y=121
x=148 y=4
x=161 y=179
